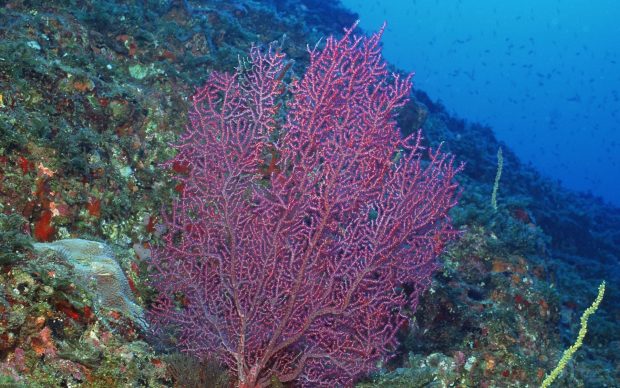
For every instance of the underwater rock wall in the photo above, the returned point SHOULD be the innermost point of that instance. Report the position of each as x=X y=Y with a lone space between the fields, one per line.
x=92 y=93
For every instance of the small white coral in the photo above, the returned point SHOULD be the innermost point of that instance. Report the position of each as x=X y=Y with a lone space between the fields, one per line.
x=99 y=273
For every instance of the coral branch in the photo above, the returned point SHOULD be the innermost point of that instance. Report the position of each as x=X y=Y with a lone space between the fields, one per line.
x=290 y=244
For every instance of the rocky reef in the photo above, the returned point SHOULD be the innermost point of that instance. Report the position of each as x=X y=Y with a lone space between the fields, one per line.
x=91 y=95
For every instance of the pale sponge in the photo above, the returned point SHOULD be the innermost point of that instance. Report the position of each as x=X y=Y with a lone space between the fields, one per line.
x=100 y=274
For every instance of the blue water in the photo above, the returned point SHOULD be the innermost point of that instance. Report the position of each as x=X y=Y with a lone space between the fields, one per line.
x=544 y=75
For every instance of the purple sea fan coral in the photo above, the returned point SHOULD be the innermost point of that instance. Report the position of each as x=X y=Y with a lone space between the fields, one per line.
x=297 y=226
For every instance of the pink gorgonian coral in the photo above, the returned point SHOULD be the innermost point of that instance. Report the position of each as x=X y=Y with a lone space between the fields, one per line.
x=301 y=216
